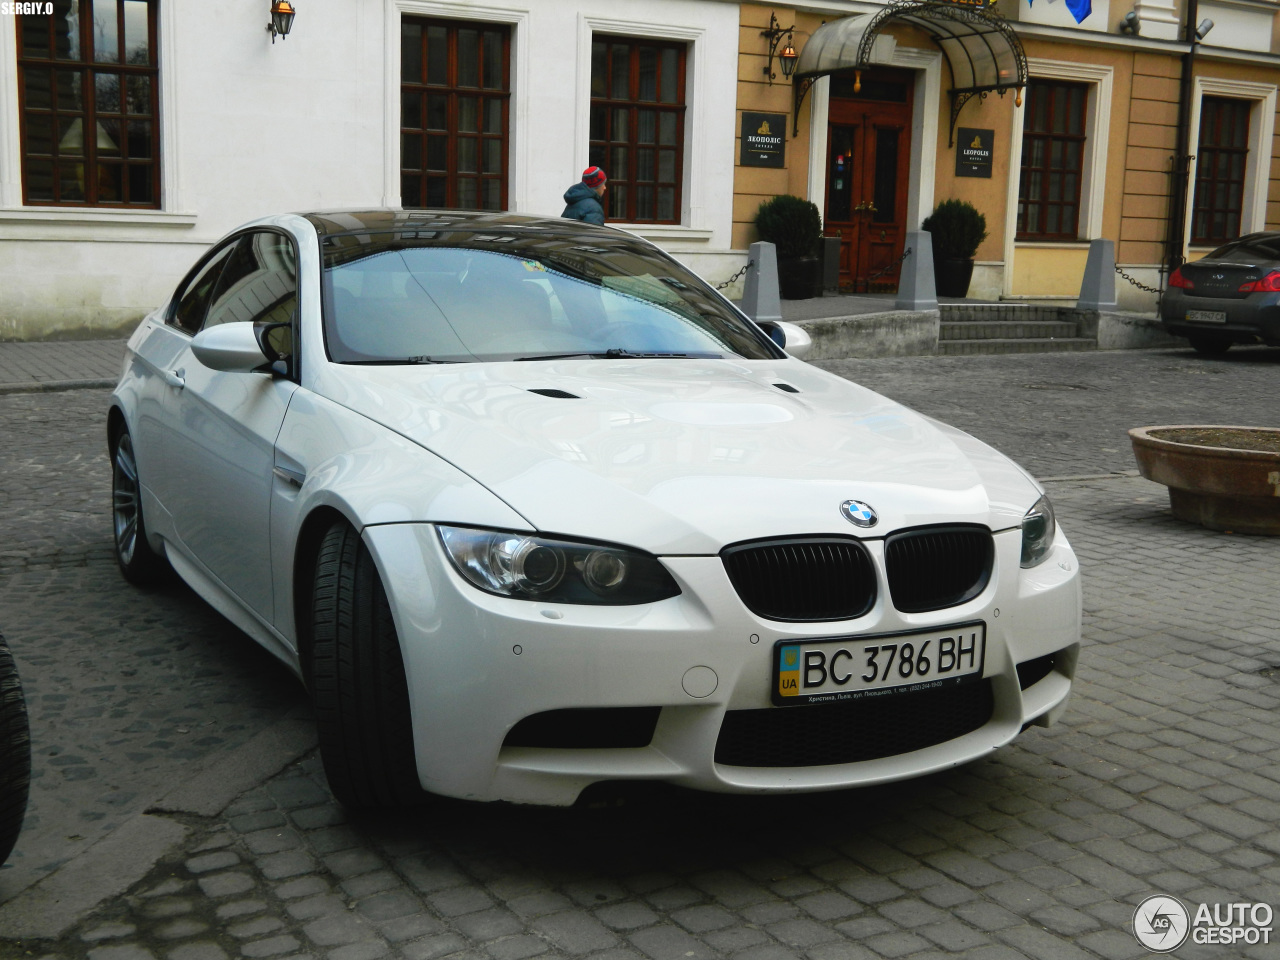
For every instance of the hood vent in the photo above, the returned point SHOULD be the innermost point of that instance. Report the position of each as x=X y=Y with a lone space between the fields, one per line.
x=552 y=392
x=787 y=387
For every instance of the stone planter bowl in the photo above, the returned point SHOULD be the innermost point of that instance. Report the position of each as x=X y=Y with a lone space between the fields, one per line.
x=1226 y=487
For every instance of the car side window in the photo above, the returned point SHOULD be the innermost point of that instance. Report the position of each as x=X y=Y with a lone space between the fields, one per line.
x=194 y=299
x=259 y=282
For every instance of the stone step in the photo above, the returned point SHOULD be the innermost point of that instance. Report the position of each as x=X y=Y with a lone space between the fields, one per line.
x=1005 y=330
x=974 y=347
x=988 y=312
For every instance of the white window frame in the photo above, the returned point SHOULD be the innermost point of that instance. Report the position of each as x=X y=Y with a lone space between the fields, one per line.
x=1093 y=183
x=172 y=211
x=1257 y=176
x=697 y=180
x=517 y=18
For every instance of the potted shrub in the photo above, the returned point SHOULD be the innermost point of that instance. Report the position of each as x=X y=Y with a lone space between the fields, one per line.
x=793 y=226
x=957 y=229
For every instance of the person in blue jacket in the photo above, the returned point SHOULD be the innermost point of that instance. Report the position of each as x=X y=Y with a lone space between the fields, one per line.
x=583 y=198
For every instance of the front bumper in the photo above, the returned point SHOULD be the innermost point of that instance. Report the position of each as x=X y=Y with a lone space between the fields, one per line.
x=478 y=664
x=1248 y=320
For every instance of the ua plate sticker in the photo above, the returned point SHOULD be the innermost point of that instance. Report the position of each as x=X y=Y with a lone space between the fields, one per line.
x=840 y=669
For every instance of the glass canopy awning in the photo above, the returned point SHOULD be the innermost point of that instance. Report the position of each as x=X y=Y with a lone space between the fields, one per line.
x=980 y=47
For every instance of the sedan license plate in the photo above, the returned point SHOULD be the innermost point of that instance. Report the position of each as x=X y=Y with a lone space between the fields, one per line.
x=1206 y=316
x=837 y=669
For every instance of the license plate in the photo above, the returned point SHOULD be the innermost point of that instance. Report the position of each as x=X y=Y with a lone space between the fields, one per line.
x=839 y=669
x=1206 y=316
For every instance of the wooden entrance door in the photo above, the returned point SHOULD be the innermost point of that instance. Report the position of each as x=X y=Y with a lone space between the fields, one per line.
x=868 y=166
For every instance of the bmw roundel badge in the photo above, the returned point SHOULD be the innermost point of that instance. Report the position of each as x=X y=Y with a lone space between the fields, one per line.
x=858 y=513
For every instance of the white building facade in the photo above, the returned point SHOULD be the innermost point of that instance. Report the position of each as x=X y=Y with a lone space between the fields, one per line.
x=203 y=121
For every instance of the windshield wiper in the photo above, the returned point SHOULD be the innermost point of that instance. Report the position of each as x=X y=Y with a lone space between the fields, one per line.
x=397 y=362
x=617 y=353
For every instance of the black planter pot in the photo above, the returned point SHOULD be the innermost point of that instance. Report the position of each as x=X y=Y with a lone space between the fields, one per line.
x=951 y=277
x=800 y=278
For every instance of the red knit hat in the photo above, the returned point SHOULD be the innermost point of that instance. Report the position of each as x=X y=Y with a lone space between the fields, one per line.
x=593 y=177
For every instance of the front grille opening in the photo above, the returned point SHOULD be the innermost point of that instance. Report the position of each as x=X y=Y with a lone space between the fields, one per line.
x=867 y=729
x=930 y=568
x=804 y=579
x=1031 y=672
x=586 y=728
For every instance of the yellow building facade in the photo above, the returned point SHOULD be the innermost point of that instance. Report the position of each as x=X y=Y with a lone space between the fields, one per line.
x=1092 y=151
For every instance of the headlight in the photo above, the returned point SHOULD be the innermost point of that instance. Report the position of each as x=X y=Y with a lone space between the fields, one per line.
x=1038 y=528
x=536 y=568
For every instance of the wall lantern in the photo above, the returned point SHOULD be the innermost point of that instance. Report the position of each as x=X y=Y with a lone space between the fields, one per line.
x=282 y=14
x=788 y=57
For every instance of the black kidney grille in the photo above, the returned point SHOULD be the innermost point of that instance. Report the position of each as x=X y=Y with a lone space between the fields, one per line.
x=929 y=568
x=803 y=579
x=867 y=729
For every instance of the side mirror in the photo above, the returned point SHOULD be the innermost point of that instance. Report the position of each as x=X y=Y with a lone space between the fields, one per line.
x=231 y=347
x=275 y=340
x=790 y=337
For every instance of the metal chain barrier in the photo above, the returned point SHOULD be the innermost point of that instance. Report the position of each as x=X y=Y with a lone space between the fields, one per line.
x=745 y=268
x=892 y=266
x=1139 y=285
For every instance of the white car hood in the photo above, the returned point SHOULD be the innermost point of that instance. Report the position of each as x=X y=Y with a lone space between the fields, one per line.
x=684 y=456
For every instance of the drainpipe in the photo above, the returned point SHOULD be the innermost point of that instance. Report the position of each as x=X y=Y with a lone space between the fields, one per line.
x=1181 y=174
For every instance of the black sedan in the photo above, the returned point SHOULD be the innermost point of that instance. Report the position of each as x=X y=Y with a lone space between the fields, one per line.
x=1230 y=296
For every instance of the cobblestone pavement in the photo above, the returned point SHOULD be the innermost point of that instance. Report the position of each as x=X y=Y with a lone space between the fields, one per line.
x=126 y=690
x=1164 y=776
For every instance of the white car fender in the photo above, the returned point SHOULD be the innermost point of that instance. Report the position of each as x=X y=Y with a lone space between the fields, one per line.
x=329 y=457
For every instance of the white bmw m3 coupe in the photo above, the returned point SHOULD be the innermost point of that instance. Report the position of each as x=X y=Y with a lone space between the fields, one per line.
x=528 y=506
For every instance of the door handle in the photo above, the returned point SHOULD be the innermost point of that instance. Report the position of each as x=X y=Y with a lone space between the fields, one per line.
x=174 y=378
x=294 y=478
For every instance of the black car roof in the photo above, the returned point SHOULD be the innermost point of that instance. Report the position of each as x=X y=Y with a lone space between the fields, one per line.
x=333 y=222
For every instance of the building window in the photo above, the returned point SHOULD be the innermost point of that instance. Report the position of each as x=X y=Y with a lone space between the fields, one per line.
x=1053 y=141
x=88 y=84
x=637 y=126
x=1220 y=170
x=455 y=93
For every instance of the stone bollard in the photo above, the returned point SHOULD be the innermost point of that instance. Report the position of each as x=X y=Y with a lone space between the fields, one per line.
x=916 y=290
x=1098 y=288
x=760 y=299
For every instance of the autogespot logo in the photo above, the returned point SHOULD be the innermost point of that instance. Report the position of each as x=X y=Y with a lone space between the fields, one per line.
x=1161 y=923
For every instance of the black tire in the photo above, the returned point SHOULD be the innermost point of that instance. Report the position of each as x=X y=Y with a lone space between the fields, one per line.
x=15 y=753
x=357 y=680
x=140 y=565
x=1208 y=344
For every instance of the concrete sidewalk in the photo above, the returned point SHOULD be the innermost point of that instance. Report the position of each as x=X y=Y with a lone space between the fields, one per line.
x=60 y=365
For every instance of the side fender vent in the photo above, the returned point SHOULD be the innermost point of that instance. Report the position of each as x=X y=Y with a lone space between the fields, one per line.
x=552 y=392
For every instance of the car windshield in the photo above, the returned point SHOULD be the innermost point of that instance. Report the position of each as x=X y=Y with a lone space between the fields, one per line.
x=423 y=296
x=1254 y=249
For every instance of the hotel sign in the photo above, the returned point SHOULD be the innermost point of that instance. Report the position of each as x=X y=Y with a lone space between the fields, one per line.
x=973 y=152
x=764 y=139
